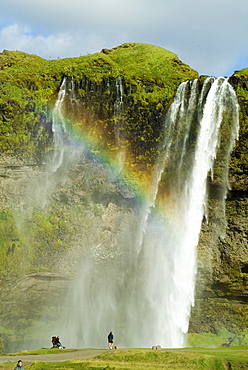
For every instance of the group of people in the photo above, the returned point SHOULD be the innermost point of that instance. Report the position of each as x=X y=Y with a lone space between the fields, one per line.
x=56 y=342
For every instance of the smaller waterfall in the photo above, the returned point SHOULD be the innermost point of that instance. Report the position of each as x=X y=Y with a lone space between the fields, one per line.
x=63 y=156
x=64 y=150
x=72 y=93
x=58 y=129
x=39 y=187
x=119 y=126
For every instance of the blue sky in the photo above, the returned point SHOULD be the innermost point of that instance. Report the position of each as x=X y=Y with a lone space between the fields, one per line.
x=209 y=35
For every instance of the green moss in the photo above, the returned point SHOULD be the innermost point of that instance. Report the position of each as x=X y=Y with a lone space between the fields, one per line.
x=9 y=239
x=29 y=86
x=242 y=73
x=30 y=246
x=211 y=340
x=239 y=163
x=147 y=359
x=148 y=62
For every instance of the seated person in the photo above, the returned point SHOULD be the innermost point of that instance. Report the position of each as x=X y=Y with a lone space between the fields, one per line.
x=56 y=342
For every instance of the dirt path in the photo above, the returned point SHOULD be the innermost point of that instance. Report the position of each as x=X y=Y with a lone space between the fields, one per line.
x=60 y=357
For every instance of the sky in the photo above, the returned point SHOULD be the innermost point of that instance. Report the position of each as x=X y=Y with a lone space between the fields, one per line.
x=210 y=36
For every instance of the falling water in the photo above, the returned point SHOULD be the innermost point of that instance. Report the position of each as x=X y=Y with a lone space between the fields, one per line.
x=64 y=153
x=39 y=186
x=118 y=128
x=186 y=202
x=58 y=128
x=144 y=289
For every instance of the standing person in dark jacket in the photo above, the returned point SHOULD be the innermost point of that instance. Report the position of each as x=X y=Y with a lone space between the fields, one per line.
x=110 y=340
x=19 y=365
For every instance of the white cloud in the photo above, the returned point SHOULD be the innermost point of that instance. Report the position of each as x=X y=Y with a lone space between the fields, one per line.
x=58 y=45
x=209 y=35
x=16 y=37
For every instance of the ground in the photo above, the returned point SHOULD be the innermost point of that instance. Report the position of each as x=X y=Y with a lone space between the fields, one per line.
x=60 y=357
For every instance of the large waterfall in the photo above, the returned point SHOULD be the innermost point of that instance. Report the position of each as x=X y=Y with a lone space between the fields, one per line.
x=143 y=292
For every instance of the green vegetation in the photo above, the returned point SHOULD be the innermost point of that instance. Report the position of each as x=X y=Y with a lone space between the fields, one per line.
x=198 y=359
x=25 y=241
x=242 y=73
x=29 y=86
x=210 y=340
x=239 y=163
x=43 y=351
x=142 y=62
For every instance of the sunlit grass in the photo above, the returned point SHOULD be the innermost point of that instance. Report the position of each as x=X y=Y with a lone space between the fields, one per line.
x=176 y=359
x=43 y=351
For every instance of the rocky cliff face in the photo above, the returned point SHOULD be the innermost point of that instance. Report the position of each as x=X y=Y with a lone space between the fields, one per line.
x=50 y=219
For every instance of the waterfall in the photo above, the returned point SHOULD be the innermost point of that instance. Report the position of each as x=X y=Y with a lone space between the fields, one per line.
x=58 y=129
x=64 y=150
x=119 y=126
x=180 y=224
x=143 y=291
x=39 y=187
x=64 y=154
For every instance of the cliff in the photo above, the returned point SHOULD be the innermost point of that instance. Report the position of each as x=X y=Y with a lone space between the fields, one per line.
x=116 y=109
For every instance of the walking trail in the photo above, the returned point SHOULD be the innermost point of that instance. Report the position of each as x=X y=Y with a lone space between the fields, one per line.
x=60 y=357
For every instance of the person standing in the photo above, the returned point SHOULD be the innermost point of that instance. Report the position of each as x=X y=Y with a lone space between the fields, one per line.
x=19 y=365
x=110 y=340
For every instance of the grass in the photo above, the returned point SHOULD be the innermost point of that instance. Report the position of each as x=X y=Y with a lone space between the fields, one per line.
x=29 y=85
x=211 y=340
x=43 y=351
x=176 y=359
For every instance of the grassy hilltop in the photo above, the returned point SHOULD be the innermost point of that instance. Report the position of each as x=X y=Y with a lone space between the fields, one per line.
x=29 y=86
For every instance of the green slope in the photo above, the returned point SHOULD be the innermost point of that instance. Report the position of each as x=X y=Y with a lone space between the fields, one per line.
x=29 y=85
